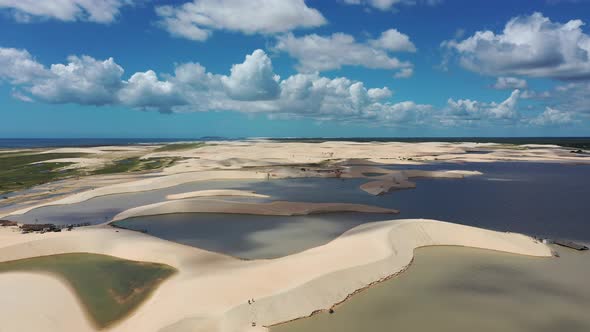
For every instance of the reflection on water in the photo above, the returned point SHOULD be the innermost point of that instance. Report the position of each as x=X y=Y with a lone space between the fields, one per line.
x=101 y=209
x=532 y=198
x=250 y=236
x=461 y=289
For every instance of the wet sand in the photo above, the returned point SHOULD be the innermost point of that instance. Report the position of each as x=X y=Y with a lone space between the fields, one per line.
x=465 y=289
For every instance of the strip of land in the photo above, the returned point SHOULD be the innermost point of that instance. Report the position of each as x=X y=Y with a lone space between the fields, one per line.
x=277 y=208
x=210 y=193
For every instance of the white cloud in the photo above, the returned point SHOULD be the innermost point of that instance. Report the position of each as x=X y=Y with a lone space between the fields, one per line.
x=99 y=11
x=390 y=4
x=254 y=79
x=509 y=83
x=467 y=109
x=531 y=46
x=553 y=117
x=84 y=80
x=251 y=87
x=146 y=91
x=196 y=20
x=379 y=93
x=319 y=53
x=395 y=41
x=404 y=73
x=18 y=66
x=18 y=95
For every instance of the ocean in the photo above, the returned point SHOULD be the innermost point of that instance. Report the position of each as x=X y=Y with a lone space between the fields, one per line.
x=24 y=143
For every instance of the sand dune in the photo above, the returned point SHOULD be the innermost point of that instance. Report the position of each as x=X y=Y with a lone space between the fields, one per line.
x=37 y=310
x=278 y=208
x=211 y=290
x=219 y=192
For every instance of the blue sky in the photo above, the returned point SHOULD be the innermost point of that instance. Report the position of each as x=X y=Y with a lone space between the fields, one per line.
x=123 y=68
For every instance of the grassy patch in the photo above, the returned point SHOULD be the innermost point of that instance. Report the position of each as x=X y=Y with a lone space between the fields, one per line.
x=180 y=146
x=109 y=287
x=135 y=164
x=17 y=171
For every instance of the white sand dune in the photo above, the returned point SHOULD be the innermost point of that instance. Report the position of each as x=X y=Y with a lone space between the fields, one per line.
x=211 y=290
x=218 y=192
x=149 y=184
x=277 y=208
x=77 y=162
x=54 y=309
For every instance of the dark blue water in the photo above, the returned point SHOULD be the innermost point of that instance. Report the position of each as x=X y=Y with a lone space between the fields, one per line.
x=21 y=143
x=27 y=143
x=532 y=198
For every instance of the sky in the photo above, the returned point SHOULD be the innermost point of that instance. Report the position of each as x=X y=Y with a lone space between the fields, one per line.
x=294 y=68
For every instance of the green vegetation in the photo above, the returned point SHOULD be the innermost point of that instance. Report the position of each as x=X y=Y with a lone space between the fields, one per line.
x=17 y=171
x=135 y=164
x=109 y=287
x=180 y=146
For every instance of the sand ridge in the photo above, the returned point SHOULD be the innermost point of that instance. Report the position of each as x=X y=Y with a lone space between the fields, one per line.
x=276 y=208
x=218 y=192
x=217 y=286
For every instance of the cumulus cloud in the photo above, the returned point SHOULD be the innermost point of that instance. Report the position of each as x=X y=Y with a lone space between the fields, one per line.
x=467 y=109
x=144 y=90
x=251 y=86
x=531 y=46
x=509 y=83
x=18 y=66
x=84 y=80
x=390 y=4
x=395 y=41
x=99 y=11
x=553 y=117
x=196 y=20
x=321 y=53
x=253 y=79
